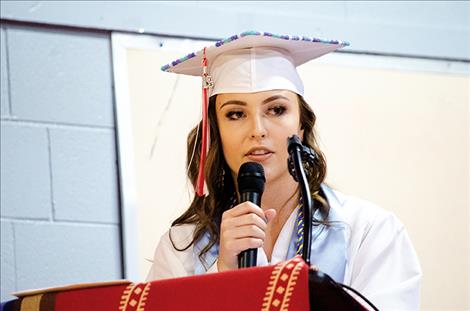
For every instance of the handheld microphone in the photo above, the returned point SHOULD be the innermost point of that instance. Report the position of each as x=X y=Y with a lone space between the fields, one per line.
x=250 y=186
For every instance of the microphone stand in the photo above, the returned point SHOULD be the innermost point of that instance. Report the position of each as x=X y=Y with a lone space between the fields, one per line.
x=296 y=169
x=324 y=292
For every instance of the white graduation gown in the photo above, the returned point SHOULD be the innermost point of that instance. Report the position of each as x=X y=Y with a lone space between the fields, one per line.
x=380 y=262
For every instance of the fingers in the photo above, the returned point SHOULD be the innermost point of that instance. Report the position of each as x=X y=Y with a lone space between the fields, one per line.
x=248 y=231
x=244 y=208
x=242 y=227
x=232 y=248
x=270 y=214
x=247 y=243
x=244 y=220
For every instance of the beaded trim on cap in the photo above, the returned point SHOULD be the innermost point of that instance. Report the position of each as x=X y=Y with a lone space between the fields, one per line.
x=255 y=33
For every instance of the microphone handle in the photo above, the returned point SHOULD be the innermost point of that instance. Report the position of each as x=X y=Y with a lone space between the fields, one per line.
x=248 y=257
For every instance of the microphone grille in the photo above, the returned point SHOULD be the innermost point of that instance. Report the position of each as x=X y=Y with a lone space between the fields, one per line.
x=251 y=177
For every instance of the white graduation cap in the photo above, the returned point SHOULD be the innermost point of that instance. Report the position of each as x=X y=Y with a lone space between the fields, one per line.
x=250 y=62
x=255 y=61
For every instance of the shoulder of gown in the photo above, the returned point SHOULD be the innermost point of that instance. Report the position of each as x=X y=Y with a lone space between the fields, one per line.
x=169 y=262
x=382 y=263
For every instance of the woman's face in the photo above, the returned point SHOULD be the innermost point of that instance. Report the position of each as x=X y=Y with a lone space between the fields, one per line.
x=255 y=127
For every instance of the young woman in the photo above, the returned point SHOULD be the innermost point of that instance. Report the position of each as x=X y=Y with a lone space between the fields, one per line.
x=256 y=102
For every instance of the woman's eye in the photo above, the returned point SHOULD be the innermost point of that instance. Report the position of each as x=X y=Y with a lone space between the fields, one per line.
x=277 y=110
x=234 y=115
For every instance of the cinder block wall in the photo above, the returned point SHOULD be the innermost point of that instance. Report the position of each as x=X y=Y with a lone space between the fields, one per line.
x=59 y=174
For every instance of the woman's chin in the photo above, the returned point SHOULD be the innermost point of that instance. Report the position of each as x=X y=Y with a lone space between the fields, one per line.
x=273 y=176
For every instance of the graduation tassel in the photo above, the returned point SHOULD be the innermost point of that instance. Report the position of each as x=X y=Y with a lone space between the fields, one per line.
x=201 y=187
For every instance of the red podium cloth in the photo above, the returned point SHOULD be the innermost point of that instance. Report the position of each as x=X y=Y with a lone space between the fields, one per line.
x=280 y=287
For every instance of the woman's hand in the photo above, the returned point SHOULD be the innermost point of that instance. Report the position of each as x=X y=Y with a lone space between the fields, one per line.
x=242 y=227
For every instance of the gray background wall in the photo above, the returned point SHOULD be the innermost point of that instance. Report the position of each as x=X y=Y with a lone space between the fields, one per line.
x=59 y=176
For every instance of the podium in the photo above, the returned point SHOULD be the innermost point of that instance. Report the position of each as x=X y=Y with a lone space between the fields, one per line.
x=289 y=285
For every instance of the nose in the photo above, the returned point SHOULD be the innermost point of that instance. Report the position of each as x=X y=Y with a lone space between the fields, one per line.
x=258 y=129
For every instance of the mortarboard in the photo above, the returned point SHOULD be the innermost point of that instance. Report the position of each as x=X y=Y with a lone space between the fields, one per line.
x=246 y=63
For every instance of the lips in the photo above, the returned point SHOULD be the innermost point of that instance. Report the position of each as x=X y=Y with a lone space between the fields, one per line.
x=259 y=153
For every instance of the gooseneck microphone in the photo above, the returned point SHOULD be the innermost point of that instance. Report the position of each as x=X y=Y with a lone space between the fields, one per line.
x=250 y=186
x=297 y=152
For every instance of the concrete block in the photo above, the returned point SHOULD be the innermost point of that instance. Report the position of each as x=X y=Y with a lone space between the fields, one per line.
x=25 y=177
x=430 y=15
x=313 y=18
x=7 y=268
x=61 y=76
x=54 y=254
x=84 y=175
x=4 y=97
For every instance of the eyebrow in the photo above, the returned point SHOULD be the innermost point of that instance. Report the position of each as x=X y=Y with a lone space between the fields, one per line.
x=242 y=103
x=233 y=102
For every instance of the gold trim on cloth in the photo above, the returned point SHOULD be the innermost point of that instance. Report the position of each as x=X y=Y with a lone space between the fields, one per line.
x=134 y=297
x=62 y=288
x=31 y=303
x=281 y=285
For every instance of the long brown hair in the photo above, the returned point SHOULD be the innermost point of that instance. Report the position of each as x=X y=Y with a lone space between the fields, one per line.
x=206 y=212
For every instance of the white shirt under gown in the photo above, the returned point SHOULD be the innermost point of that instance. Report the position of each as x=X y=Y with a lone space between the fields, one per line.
x=366 y=248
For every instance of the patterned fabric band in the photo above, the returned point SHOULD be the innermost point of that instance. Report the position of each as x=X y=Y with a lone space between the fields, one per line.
x=299 y=230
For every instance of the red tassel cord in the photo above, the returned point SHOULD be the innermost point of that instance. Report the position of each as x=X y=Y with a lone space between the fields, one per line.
x=205 y=141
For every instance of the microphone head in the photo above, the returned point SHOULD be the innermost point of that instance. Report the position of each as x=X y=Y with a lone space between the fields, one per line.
x=251 y=178
x=294 y=142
